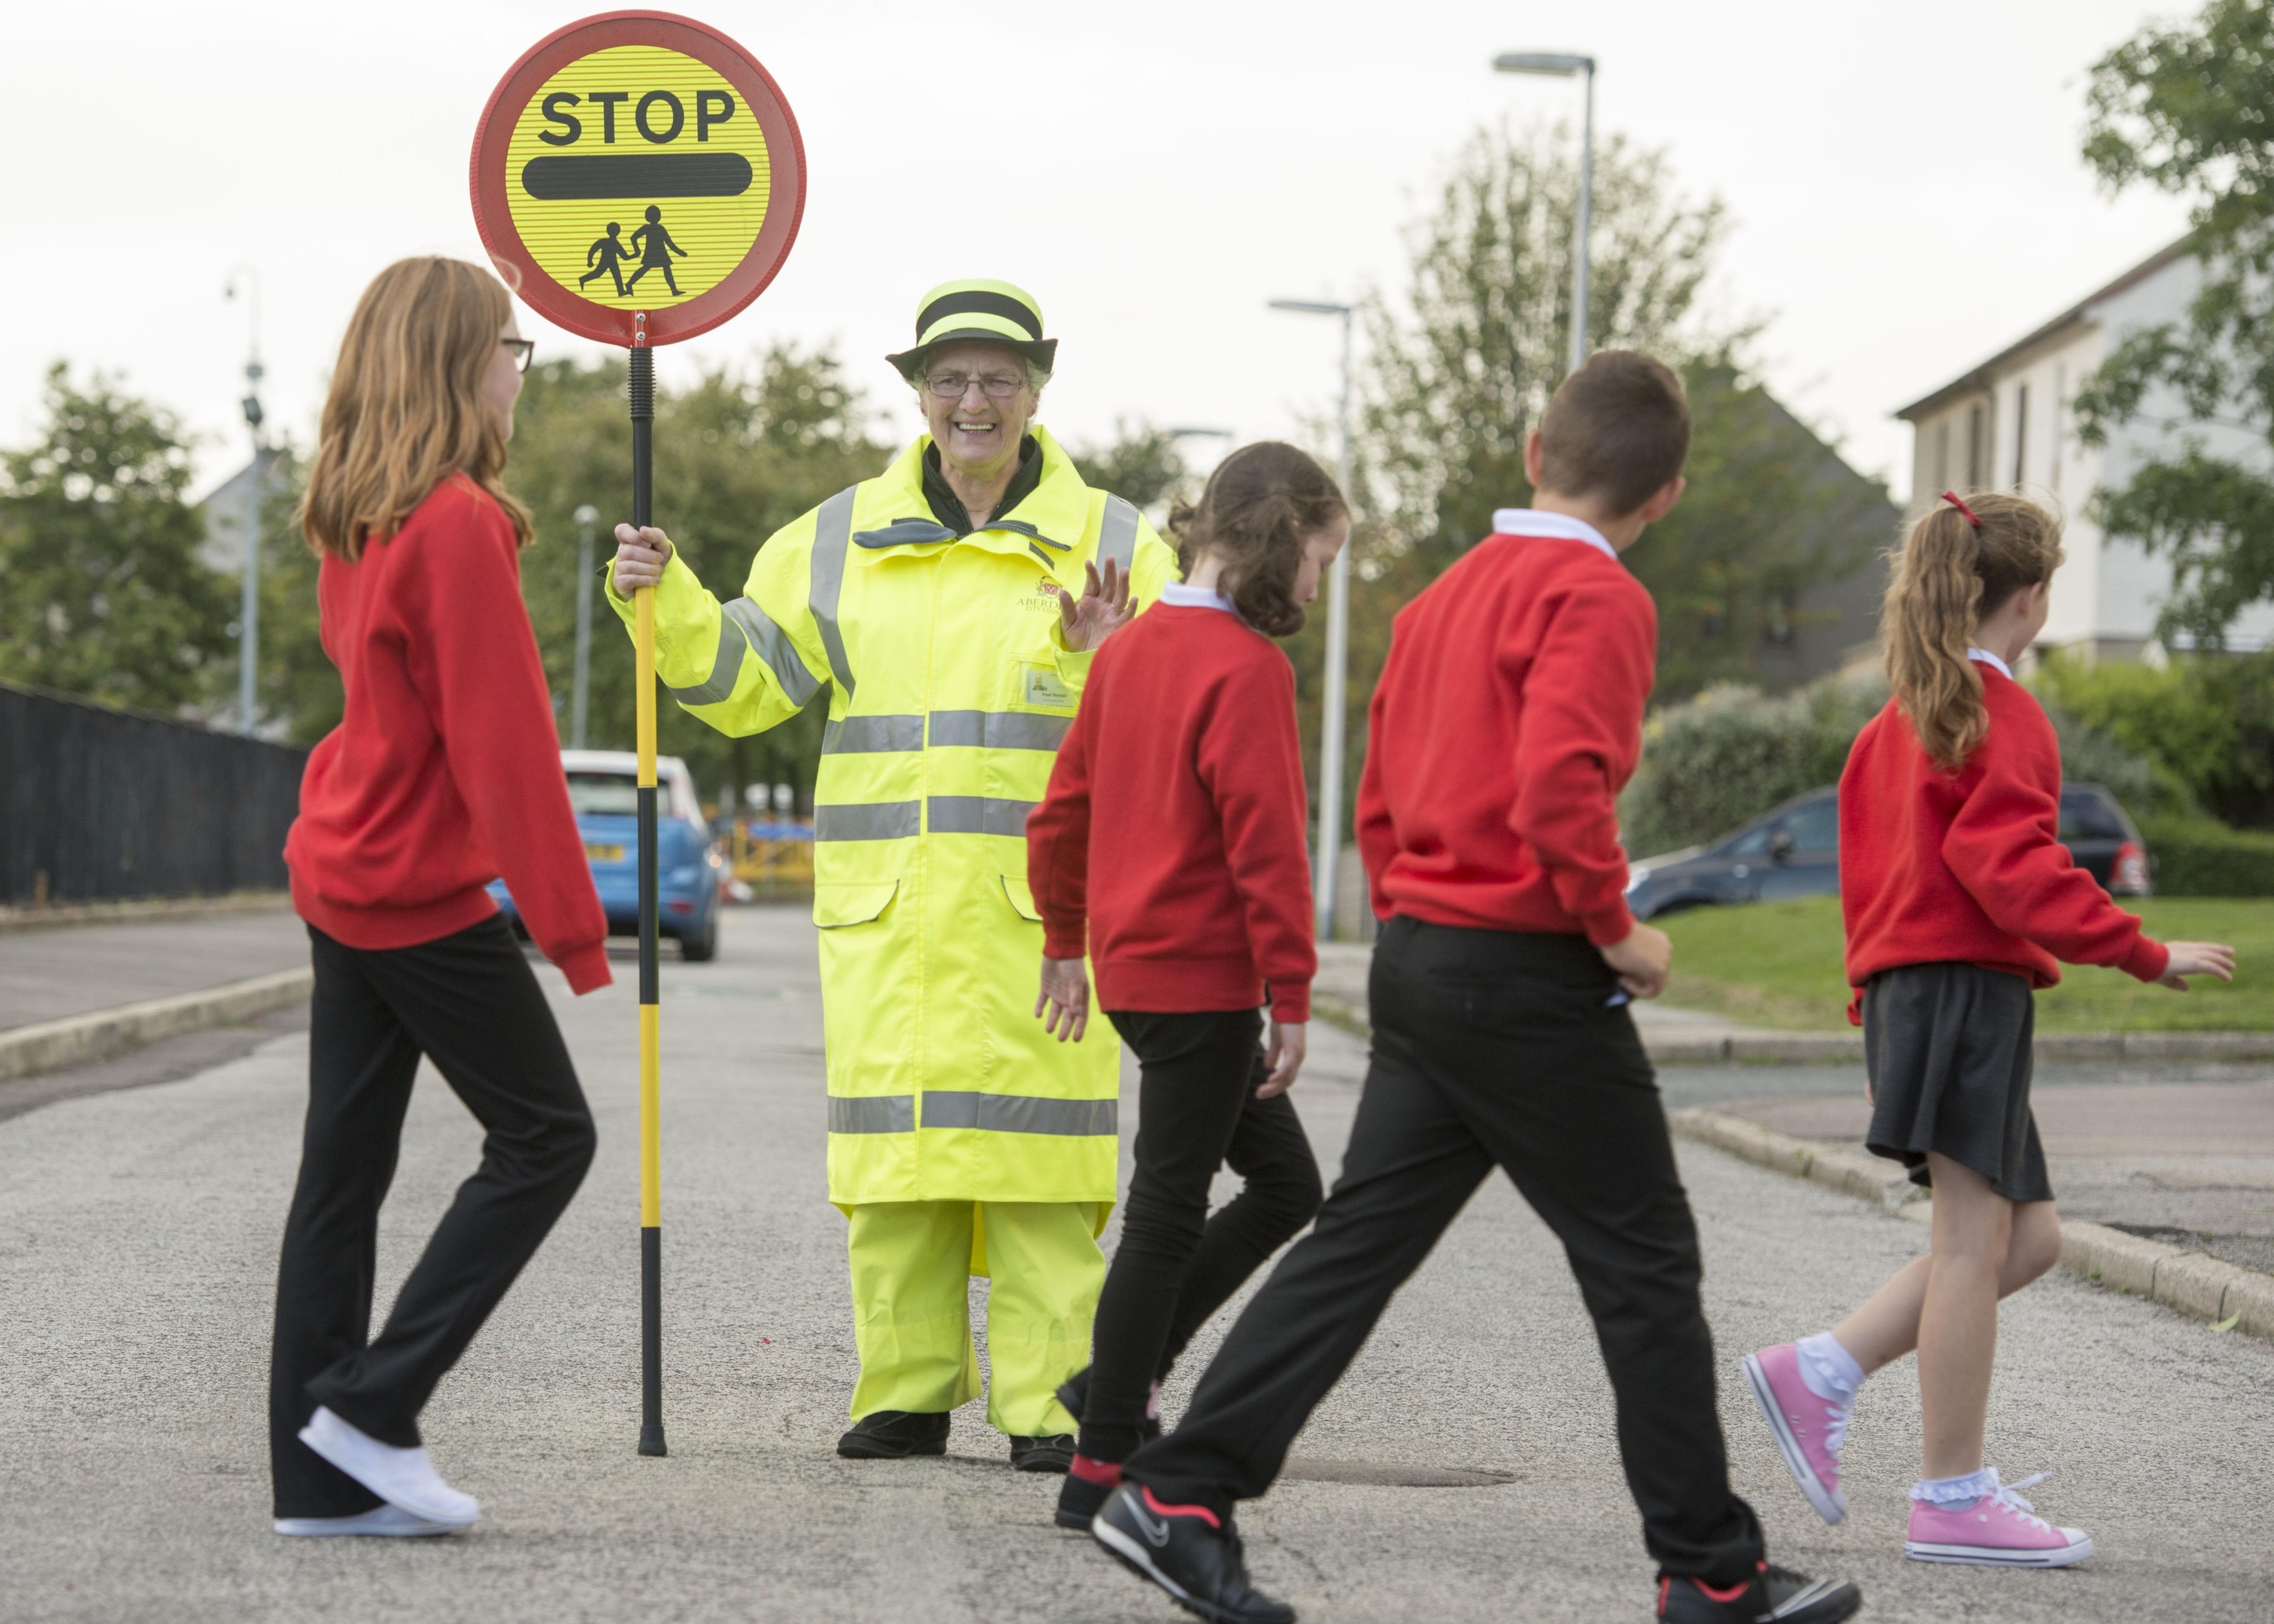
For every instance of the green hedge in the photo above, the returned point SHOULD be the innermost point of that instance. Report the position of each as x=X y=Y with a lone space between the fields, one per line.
x=2198 y=858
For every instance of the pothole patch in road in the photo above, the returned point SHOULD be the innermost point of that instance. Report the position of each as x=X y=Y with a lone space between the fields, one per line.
x=1393 y=1475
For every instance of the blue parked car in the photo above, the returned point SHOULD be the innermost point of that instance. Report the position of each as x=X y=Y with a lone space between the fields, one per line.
x=604 y=791
x=1795 y=852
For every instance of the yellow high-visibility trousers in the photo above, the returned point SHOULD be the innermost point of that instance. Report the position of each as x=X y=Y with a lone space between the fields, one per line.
x=912 y=1264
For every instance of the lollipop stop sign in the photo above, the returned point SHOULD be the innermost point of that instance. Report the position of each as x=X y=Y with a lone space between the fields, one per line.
x=638 y=179
x=638 y=163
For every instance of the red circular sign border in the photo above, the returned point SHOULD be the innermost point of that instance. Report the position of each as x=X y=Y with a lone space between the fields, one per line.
x=786 y=157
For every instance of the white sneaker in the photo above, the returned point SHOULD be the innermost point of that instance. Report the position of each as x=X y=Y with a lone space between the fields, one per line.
x=403 y=1477
x=383 y=1521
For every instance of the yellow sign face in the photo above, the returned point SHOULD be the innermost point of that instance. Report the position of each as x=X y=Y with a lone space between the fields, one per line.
x=637 y=177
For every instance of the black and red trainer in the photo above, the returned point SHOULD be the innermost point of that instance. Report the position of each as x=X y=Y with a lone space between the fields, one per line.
x=1772 y=1596
x=1189 y=1551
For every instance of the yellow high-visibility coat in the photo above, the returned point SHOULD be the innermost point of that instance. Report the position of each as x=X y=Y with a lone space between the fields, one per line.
x=951 y=688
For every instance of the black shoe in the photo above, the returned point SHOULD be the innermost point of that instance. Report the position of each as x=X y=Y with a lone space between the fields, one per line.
x=894 y=1434
x=1184 y=1552
x=1073 y=1393
x=1776 y=1594
x=1054 y=1454
x=1078 y=1501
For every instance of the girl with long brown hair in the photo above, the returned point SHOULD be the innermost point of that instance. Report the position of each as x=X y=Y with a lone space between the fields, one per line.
x=1171 y=853
x=443 y=774
x=1959 y=899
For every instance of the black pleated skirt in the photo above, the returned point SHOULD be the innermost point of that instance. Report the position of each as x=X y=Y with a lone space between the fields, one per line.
x=1949 y=1047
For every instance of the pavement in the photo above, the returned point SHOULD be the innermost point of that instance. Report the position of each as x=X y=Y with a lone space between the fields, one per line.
x=137 y=1234
x=72 y=970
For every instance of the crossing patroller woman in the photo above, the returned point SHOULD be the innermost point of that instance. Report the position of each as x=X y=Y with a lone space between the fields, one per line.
x=443 y=773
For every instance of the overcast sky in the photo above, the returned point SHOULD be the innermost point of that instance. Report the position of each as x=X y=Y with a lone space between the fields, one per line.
x=1903 y=180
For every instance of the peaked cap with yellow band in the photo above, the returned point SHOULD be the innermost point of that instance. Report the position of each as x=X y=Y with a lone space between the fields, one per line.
x=990 y=311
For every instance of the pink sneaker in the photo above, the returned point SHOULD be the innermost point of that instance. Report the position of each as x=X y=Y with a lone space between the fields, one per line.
x=1995 y=1531
x=1808 y=1430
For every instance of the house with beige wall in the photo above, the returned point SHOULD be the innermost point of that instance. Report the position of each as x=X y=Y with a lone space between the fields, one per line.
x=2007 y=424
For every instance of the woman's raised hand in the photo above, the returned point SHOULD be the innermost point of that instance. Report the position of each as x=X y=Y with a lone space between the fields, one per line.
x=641 y=555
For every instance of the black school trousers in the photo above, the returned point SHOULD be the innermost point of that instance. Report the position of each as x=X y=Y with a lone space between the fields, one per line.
x=1490 y=1048
x=469 y=1002
x=1176 y=1263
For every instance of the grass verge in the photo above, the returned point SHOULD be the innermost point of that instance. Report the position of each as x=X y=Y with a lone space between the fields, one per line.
x=1779 y=964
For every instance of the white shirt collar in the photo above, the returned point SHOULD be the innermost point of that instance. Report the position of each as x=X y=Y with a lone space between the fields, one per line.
x=1992 y=661
x=1185 y=597
x=1531 y=521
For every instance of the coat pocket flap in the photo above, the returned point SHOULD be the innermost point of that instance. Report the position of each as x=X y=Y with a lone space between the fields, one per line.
x=1023 y=897
x=838 y=904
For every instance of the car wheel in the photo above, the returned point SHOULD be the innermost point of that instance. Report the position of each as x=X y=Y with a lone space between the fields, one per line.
x=704 y=948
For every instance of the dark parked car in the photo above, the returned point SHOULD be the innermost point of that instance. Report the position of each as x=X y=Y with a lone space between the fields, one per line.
x=1795 y=852
x=604 y=792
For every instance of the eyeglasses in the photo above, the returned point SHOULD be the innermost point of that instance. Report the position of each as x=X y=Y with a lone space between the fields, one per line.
x=953 y=386
x=522 y=348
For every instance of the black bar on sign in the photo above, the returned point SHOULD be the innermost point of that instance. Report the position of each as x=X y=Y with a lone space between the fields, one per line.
x=563 y=179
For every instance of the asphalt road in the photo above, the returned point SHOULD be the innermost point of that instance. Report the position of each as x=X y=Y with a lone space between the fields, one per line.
x=137 y=1231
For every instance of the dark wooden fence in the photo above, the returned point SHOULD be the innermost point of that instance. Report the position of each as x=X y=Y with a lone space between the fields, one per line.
x=97 y=803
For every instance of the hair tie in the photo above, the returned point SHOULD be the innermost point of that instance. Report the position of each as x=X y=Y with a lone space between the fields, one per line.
x=1952 y=497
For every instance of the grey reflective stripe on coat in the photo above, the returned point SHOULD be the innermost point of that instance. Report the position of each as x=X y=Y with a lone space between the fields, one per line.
x=724 y=668
x=1116 y=536
x=883 y=1113
x=773 y=645
x=1000 y=729
x=870 y=734
x=977 y=815
x=833 y=532
x=870 y=820
x=1019 y=1113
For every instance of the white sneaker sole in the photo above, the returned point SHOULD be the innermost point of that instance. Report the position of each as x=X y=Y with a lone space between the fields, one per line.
x=1830 y=1504
x=1989 y=1556
x=389 y=1521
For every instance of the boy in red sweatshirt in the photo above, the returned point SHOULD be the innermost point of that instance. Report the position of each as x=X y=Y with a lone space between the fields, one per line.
x=1507 y=719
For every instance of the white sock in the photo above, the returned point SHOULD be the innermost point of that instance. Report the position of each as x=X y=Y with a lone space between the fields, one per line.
x=1829 y=1370
x=1153 y=1403
x=1956 y=1493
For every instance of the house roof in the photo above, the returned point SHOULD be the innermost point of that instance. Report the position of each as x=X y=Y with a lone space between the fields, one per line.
x=1979 y=379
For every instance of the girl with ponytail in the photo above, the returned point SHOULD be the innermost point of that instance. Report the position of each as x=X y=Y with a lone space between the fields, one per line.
x=1959 y=898
x=1172 y=851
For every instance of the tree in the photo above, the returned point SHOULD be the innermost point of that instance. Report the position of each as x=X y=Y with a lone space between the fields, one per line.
x=2189 y=109
x=106 y=597
x=1141 y=463
x=1460 y=373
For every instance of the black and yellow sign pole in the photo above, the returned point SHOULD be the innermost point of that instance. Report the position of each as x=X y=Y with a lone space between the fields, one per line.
x=643 y=402
x=639 y=159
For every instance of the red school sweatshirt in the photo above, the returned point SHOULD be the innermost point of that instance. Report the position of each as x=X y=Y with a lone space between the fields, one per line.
x=1174 y=825
x=1968 y=865
x=1508 y=719
x=445 y=769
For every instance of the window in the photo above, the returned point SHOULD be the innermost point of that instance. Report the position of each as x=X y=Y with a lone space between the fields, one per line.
x=1754 y=843
x=2021 y=435
x=1815 y=827
x=2087 y=815
x=2061 y=413
x=1977 y=445
x=604 y=794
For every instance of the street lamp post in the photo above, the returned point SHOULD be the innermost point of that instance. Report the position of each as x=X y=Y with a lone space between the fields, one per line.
x=248 y=614
x=587 y=516
x=1330 y=722
x=1561 y=66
